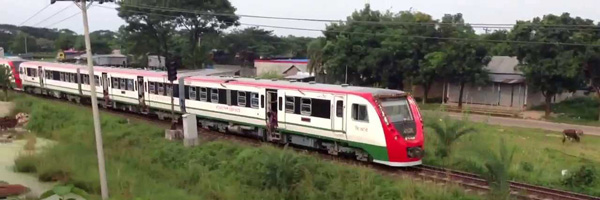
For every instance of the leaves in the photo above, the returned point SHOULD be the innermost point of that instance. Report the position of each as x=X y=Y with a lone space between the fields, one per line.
x=449 y=131
x=497 y=167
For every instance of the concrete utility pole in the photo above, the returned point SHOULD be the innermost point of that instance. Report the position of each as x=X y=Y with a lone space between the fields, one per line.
x=92 y=78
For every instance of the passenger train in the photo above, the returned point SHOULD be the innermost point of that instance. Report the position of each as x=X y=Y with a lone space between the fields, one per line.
x=370 y=124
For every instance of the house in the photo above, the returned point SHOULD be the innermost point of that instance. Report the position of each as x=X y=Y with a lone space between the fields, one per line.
x=156 y=62
x=284 y=67
x=507 y=88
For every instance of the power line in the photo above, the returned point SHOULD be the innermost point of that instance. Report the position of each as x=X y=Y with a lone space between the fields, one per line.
x=475 y=25
x=38 y=12
x=53 y=15
x=383 y=34
x=62 y=20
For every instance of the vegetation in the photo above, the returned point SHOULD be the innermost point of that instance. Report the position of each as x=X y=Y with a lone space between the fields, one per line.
x=5 y=78
x=539 y=157
x=496 y=171
x=271 y=75
x=575 y=110
x=448 y=132
x=141 y=164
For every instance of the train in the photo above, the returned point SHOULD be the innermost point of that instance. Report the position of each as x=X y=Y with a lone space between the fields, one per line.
x=368 y=124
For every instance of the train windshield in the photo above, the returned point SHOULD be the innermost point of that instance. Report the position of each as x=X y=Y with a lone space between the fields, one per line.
x=397 y=110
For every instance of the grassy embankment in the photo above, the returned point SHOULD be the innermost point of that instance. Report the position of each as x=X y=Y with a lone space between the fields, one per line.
x=142 y=165
x=539 y=158
x=582 y=110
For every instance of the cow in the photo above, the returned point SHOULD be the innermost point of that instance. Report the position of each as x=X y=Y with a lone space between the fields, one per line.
x=572 y=134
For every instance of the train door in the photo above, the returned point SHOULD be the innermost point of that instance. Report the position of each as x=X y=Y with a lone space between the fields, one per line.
x=141 y=92
x=41 y=76
x=339 y=117
x=271 y=111
x=79 y=80
x=105 y=84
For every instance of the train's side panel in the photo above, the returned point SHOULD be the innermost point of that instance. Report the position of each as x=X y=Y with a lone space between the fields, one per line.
x=254 y=116
x=367 y=135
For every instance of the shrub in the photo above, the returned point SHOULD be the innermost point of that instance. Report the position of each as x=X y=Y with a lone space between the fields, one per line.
x=585 y=176
x=526 y=166
x=26 y=164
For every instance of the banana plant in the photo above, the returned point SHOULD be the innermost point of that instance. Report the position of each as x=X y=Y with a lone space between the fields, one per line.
x=62 y=191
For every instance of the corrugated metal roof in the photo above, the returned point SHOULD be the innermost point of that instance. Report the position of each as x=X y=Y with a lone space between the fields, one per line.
x=503 y=65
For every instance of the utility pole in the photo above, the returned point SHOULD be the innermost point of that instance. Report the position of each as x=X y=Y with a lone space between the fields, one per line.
x=25 y=43
x=346 y=80
x=96 y=115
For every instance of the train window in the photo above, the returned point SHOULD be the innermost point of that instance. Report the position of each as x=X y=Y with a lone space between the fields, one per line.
x=86 y=79
x=339 y=109
x=289 y=104
x=130 y=85
x=359 y=113
x=262 y=101
x=193 y=93
x=123 y=83
x=306 y=106
x=72 y=78
x=115 y=83
x=151 y=88
x=214 y=95
x=223 y=97
x=161 y=89
x=20 y=70
x=203 y=94
x=62 y=76
x=241 y=98
x=169 y=89
x=97 y=80
x=254 y=100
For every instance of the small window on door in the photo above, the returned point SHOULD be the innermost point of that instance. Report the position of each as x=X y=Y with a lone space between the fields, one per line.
x=306 y=106
x=359 y=113
x=289 y=104
x=339 y=109
x=123 y=84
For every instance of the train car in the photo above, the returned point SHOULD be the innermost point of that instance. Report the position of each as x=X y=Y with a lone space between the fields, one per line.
x=369 y=124
x=14 y=64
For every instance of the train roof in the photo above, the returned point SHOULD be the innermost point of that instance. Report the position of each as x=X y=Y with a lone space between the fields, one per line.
x=267 y=83
x=281 y=84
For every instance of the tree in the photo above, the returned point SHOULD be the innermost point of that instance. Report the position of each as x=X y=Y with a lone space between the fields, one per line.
x=66 y=40
x=498 y=48
x=5 y=80
x=357 y=49
x=18 y=44
x=550 y=68
x=430 y=69
x=448 y=131
x=198 y=24
x=155 y=26
x=315 y=56
x=497 y=167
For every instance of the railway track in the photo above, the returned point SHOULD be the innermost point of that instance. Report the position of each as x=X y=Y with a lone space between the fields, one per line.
x=475 y=182
x=471 y=182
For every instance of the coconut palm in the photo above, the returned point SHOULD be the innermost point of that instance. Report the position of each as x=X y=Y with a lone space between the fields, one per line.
x=5 y=76
x=315 y=56
x=449 y=131
x=496 y=171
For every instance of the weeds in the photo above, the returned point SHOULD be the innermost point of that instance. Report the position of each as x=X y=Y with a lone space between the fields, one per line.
x=497 y=168
x=142 y=165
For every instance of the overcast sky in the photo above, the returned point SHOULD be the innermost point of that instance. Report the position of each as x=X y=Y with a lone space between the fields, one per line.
x=474 y=11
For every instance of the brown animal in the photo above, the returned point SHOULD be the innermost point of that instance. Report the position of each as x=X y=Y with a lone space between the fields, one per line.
x=572 y=134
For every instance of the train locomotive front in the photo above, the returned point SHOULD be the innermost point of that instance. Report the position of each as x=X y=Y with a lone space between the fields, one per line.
x=403 y=130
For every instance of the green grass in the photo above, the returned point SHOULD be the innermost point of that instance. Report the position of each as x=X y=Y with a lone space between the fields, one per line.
x=581 y=110
x=430 y=106
x=539 y=158
x=142 y=165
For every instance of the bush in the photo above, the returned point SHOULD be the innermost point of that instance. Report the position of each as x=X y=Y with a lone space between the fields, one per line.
x=585 y=176
x=526 y=166
x=26 y=164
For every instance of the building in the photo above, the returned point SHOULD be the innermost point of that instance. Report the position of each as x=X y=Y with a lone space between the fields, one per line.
x=156 y=62
x=110 y=60
x=507 y=88
x=283 y=67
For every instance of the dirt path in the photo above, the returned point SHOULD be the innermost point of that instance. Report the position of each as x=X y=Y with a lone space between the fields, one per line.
x=8 y=153
x=526 y=123
x=5 y=108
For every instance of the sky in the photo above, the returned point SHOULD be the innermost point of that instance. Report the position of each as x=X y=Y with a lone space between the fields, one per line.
x=474 y=11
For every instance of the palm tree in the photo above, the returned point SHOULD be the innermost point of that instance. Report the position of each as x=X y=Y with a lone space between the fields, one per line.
x=497 y=167
x=315 y=56
x=5 y=76
x=449 y=131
